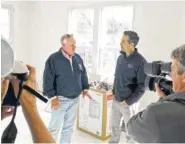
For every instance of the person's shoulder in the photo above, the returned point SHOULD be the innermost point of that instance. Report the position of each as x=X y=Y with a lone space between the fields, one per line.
x=160 y=107
x=78 y=57
x=120 y=57
x=152 y=107
x=53 y=55
x=152 y=111
x=141 y=58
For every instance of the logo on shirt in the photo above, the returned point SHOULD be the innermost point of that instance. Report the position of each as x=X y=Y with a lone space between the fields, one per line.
x=130 y=66
x=80 y=66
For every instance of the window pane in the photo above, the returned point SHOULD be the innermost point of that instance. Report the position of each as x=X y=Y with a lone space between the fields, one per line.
x=81 y=25
x=114 y=21
x=108 y=62
x=86 y=55
x=5 y=23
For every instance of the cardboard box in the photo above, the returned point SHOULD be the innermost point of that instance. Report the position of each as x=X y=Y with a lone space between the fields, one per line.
x=94 y=116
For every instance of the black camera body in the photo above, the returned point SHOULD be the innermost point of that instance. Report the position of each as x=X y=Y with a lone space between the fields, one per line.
x=156 y=73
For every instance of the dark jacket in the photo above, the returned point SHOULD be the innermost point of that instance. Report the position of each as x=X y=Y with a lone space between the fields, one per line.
x=129 y=78
x=161 y=122
x=60 y=79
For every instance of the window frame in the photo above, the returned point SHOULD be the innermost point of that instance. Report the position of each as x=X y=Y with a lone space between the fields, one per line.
x=98 y=7
x=110 y=47
x=93 y=43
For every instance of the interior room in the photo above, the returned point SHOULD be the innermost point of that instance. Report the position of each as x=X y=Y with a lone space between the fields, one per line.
x=34 y=30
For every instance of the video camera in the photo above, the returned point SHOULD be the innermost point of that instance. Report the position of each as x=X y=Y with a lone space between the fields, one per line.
x=156 y=73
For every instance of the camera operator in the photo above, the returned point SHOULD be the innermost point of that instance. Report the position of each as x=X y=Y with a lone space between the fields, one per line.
x=39 y=132
x=164 y=121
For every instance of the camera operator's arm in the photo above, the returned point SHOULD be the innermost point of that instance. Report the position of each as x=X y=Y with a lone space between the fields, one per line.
x=40 y=133
x=140 y=89
x=49 y=78
x=142 y=127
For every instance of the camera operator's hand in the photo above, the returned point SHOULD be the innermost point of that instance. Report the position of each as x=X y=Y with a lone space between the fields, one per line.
x=159 y=92
x=55 y=103
x=27 y=98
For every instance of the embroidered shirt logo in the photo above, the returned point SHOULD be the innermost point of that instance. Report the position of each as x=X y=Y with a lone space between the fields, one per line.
x=80 y=66
x=130 y=66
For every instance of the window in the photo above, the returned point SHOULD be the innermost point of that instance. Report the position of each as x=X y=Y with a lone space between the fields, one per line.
x=98 y=33
x=114 y=21
x=81 y=26
x=5 y=23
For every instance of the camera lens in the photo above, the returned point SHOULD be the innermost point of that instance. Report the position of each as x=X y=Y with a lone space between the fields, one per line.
x=165 y=85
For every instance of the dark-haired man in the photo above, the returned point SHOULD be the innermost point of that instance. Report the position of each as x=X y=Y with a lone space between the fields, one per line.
x=128 y=83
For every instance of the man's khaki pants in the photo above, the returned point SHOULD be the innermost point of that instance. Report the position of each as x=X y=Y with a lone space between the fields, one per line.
x=119 y=111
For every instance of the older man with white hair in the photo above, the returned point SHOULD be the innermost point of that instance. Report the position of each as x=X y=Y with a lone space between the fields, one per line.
x=164 y=121
x=65 y=78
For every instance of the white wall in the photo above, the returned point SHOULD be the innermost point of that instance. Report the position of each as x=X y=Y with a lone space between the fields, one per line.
x=19 y=27
x=38 y=27
x=161 y=26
